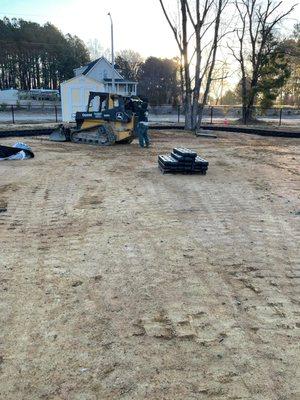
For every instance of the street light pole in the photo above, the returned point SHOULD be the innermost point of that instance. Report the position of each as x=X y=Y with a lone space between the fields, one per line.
x=112 y=54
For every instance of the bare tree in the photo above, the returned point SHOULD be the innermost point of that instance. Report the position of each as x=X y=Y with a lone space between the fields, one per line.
x=198 y=34
x=219 y=82
x=130 y=63
x=257 y=23
x=96 y=50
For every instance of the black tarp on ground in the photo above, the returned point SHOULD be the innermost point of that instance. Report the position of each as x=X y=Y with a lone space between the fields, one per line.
x=11 y=152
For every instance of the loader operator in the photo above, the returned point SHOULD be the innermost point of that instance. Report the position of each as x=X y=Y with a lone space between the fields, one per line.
x=142 y=128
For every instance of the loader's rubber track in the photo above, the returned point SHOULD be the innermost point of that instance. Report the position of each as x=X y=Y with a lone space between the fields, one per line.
x=103 y=135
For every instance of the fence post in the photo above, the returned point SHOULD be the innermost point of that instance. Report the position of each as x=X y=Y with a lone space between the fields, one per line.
x=280 y=116
x=178 y=113
x=55 y=108
x=211 y=114
x=13 y=114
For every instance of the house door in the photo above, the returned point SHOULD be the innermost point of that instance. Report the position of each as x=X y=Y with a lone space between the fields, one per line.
x=77 y=100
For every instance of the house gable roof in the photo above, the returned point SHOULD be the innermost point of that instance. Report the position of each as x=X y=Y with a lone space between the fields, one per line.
x=92 y=64
x=89 y=66
x=81 y=77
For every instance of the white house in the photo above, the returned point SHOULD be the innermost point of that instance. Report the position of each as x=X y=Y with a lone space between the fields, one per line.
x=93 y=77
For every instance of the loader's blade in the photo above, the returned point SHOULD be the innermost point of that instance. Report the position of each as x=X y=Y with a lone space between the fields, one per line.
x=58 y=136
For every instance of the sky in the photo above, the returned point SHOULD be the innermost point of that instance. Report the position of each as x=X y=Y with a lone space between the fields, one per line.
x=138 y=24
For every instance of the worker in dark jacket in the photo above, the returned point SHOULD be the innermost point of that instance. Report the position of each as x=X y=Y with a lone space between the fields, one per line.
x=142 y=127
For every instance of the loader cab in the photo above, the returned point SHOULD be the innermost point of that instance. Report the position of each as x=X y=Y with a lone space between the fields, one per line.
x=99 y=102
x=112 y=107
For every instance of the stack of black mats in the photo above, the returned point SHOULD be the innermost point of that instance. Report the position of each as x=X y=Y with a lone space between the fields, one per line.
x=183 y=160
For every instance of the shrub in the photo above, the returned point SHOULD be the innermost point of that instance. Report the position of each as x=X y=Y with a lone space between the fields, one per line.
x=3 y=107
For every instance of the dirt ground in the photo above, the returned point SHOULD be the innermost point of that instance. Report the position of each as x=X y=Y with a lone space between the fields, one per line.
x=118 y=282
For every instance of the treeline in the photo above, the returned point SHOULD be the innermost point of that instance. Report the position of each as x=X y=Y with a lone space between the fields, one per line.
x=35 y=56
x=40 y=56
x=158 y=78
x=279 y=82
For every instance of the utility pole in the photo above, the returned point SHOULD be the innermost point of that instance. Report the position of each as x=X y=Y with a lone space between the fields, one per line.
x=112 y=54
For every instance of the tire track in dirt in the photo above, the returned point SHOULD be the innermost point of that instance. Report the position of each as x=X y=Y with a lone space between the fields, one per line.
x=124 y=283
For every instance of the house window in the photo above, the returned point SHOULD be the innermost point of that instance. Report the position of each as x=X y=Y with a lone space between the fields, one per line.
x=105 y=74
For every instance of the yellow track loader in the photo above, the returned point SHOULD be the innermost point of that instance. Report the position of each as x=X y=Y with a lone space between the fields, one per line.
x=114 y=120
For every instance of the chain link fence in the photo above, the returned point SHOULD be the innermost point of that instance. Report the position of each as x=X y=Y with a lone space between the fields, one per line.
x=227 y=115
x=31 y=114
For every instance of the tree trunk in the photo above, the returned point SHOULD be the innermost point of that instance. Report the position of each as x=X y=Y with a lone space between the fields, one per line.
x=188 y=112
x=181 y=83
x=200 y=115
x=187 y=78
x=196 y=91
x=195 y=109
